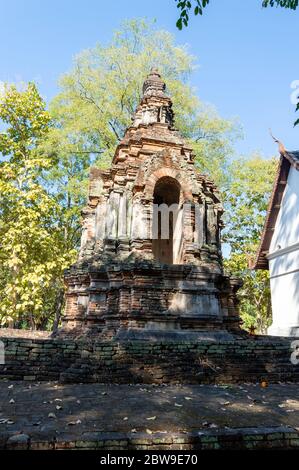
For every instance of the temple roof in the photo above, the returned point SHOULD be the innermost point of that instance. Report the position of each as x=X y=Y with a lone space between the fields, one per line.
x=288 y=159
x=293 y=157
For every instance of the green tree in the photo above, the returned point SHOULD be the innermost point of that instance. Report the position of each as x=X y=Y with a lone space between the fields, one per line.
x=32 y=249
x=246 y=201
x=254 y=296
x=246 y=198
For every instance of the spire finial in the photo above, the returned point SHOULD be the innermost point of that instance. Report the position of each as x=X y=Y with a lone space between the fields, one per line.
x=153 y=84
x=154 y=71
x=155 y=106
x=281 y=147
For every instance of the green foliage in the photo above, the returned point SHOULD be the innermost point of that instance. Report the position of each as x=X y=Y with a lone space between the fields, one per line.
x=291 y=4
x=246 y=201
x=32 y=250
x=185 y=6
x=197 y=6
x=254 y=296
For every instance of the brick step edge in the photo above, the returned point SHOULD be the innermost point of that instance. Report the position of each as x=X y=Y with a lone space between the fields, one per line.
x=251 y=438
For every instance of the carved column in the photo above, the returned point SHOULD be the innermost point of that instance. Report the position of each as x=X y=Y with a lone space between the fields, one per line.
x=112 y=216
x=199 y=231
x=188 y=232
x=122 y=217
x=178 y=237
x=88 y=232
x=100 y=228
x=123 y=234
x=211 y=225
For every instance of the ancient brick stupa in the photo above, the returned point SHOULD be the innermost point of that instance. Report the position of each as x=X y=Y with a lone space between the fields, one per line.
x=150 y=262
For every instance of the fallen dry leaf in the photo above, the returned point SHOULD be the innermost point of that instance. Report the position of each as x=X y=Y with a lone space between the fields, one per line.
x=264 y=384
x=73 y=423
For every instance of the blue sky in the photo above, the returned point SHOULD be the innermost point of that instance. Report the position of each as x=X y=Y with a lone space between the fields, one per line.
x=248 y=56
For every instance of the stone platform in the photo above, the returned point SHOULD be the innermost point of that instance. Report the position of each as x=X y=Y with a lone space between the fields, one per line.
x=205 y=360
x=49 y=415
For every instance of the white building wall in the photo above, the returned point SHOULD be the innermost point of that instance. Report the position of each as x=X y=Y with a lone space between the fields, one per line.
x=284 y=262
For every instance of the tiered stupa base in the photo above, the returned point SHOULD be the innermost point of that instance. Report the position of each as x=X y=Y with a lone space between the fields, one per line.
x=146 y=300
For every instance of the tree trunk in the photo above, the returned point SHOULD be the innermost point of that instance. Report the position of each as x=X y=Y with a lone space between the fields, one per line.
x=32 y=322
x=58 y=309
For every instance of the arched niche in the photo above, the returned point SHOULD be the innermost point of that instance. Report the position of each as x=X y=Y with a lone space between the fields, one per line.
x=166 y=224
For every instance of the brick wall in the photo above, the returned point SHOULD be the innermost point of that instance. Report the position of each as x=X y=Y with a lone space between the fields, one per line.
x=242 y=360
